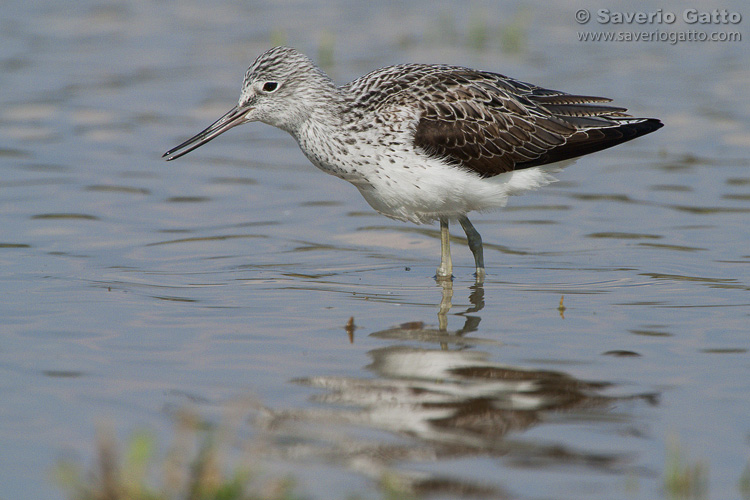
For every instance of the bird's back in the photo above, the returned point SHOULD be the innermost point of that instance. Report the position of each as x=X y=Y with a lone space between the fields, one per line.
x=488 y=123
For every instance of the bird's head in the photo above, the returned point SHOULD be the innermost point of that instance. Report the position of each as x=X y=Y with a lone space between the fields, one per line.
x=282 y=88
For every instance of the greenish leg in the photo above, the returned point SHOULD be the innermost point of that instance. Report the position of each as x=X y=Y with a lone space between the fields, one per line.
x=475 y=245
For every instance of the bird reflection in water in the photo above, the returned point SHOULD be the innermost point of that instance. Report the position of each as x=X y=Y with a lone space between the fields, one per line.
x=444 y=402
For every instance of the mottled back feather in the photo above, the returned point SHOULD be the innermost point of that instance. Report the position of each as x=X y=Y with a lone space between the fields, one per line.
x=489 y=123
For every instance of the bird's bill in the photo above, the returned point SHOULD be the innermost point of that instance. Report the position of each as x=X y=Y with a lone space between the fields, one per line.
x=235 y=116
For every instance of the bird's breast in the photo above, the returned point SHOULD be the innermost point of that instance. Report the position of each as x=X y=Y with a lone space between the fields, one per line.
x=353 y=154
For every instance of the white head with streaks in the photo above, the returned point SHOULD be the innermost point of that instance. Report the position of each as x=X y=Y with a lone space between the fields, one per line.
x=283 y=87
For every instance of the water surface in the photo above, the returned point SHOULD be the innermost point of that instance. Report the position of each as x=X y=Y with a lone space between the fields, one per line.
x=132 y=287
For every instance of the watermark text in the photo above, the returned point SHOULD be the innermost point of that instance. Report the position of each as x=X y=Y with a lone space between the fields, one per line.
x=672 y=37
x=697 y=25
x=659 y=16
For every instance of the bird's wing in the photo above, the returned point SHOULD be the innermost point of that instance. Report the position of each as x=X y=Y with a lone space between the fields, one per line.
x=491 y=124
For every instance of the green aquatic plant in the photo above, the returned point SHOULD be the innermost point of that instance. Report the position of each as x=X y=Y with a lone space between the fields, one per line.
x=744 y=483
x=193 y=469
x=326 y=45
x=196 y=467
x=683 y=480
x=513 y=34
x=478 y=33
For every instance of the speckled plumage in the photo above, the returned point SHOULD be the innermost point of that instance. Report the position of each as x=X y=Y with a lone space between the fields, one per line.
x=426 y=142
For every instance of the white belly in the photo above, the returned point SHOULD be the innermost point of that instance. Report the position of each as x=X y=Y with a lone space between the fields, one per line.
x=427 y=193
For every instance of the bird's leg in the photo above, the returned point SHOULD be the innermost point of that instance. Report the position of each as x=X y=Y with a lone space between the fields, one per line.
x=475 y=245
x=445 y=271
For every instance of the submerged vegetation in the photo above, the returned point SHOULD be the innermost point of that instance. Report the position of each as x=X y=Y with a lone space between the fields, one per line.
x=196 y=467
x=207 y=461
x=200 y=465
x=479 y=32
x=193 y=469
x=683 y=480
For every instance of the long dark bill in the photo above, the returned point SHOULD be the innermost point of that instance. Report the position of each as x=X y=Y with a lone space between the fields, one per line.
x=234 y=117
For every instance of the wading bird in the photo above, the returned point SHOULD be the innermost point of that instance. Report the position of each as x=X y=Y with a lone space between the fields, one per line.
x=426 y=142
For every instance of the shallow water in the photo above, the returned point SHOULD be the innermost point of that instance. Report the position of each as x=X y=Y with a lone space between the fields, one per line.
x=132 y=287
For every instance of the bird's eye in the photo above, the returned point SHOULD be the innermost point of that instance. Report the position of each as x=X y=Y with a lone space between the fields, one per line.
x=270 y=86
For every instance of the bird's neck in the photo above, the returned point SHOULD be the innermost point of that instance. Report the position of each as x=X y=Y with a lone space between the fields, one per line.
x=322 y=135
x=320 y=112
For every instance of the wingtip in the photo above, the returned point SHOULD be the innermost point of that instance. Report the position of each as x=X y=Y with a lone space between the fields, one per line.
x=652 y=124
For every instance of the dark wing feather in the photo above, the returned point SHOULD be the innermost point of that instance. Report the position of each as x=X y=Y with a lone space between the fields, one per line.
x=492 y=124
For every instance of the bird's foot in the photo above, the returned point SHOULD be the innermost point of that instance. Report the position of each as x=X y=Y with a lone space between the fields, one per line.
x=480 y=275
x=443 y=274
